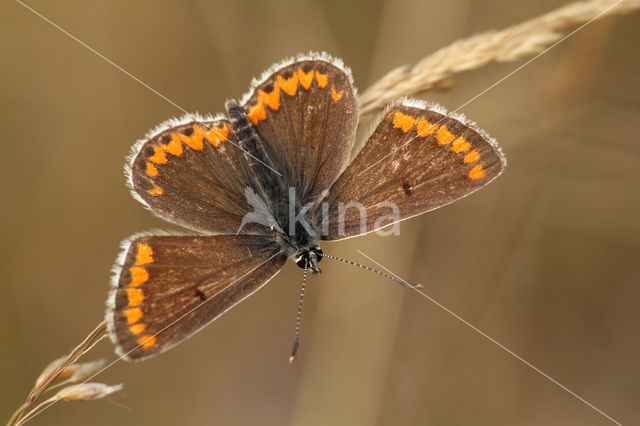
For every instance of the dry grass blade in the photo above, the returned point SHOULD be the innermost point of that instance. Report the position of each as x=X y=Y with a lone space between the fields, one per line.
x=94 y=337
x=518 y=41
x=61 y=368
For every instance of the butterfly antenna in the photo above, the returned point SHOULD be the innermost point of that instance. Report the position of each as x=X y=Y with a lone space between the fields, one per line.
x=368 y=268
x=296 y=341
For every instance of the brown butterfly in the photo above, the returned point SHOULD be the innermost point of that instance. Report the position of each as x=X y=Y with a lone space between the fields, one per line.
x=267 y=182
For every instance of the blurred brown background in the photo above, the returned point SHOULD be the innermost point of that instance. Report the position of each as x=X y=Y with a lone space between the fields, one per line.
x=545 y=259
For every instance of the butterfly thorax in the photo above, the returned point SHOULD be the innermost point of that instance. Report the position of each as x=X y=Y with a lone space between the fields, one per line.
x=301 y=244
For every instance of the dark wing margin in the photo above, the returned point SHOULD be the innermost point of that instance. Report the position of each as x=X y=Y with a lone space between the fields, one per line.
x=192 y=172
x=306 y=114
x=166 y=288
x=418 y=158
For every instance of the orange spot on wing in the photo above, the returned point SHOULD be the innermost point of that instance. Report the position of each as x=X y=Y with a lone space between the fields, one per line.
x=460 y=145
x=195 y=140
x=175 y=146
x=271 y=99
x=135 y=296
x=139 y=275
x=184 y=138
x=144 y=254
x=213 y=140
x=158 y=157
x=336 y=96
x=147 y=341
x=477 y=172
x=257 y=113
x=155 y=191
x=133 y=315
x=471 y=157
x=151 y=170
x=444 y=136
x=322 y=79
x=216 y=136
x=289 y=85
x=137 y=328
x=305 y=78
x=425 y=128
x=403 y=121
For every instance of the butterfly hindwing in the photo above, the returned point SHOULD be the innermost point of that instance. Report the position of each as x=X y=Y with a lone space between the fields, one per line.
x=169 y=287
x=305 y=112
x=418 y=158
x=193 y=173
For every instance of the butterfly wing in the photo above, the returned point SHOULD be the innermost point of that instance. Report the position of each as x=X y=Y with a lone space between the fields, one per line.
x=305 y=113
x=193 y=173
x=419 y=158
x=166 y=288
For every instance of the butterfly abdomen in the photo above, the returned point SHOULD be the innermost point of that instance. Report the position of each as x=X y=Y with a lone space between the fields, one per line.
x=248 y=138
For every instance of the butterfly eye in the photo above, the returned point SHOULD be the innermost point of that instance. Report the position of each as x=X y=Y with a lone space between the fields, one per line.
x=303 y=260
x=318 y=252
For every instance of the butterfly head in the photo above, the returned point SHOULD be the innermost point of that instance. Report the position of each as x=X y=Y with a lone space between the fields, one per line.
x=309 y=258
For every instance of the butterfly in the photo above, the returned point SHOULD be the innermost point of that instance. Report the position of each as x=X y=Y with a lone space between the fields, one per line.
x=269 y=181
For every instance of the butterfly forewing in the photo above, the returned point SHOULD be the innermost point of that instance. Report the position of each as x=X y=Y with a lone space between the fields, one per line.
x=193 y=174
x=169 y=287
x=418 y=158
x=306 y=115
